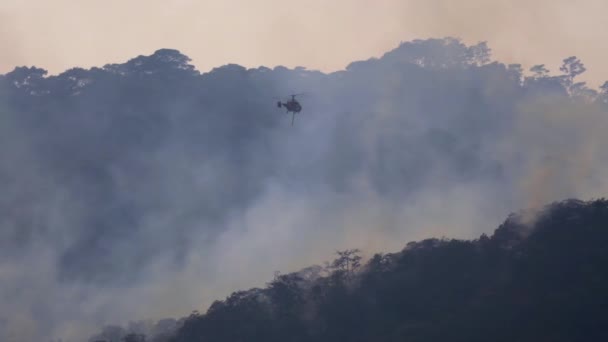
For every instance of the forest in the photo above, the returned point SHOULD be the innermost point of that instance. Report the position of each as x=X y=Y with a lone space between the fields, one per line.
x=544 y=281
x=149 y=189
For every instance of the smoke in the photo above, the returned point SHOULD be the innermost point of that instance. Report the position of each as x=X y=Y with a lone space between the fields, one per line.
x=119 y=219
x=559 y=144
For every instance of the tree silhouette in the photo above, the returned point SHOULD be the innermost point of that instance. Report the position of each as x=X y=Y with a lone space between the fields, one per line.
x=348 y=262
x=439 y=289
x=539 y=71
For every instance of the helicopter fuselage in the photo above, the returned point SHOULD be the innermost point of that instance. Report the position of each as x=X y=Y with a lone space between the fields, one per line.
x=291 y=106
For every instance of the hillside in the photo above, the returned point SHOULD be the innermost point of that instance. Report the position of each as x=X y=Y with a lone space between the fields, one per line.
x=544 y=281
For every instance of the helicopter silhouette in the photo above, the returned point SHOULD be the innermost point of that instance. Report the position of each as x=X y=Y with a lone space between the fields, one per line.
x=292 y=106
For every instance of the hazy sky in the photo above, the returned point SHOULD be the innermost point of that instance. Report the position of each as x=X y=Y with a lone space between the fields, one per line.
x=318 y=34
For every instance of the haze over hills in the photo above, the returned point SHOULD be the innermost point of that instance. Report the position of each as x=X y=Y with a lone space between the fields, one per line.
x=148 y=190
x=544 y=281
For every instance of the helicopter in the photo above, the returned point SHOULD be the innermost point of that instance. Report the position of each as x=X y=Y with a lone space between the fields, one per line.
x=292 y=106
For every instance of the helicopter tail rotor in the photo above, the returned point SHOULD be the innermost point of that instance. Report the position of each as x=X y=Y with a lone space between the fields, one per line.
x=279 y=104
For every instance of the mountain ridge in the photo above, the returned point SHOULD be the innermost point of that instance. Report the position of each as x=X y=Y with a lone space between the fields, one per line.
x=508 y=269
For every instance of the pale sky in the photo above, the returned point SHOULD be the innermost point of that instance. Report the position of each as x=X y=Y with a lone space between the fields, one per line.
x=318 y=34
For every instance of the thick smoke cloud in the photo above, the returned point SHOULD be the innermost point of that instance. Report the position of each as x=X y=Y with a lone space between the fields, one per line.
x=146 y=190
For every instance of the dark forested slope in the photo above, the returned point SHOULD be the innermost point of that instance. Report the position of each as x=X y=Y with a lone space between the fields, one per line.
x=530 y=281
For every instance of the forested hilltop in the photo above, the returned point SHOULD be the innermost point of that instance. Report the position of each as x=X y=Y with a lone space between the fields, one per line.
x=148 y=189
x=539 y=280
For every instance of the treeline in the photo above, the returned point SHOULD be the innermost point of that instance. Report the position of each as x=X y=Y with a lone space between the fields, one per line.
x=540 y=277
